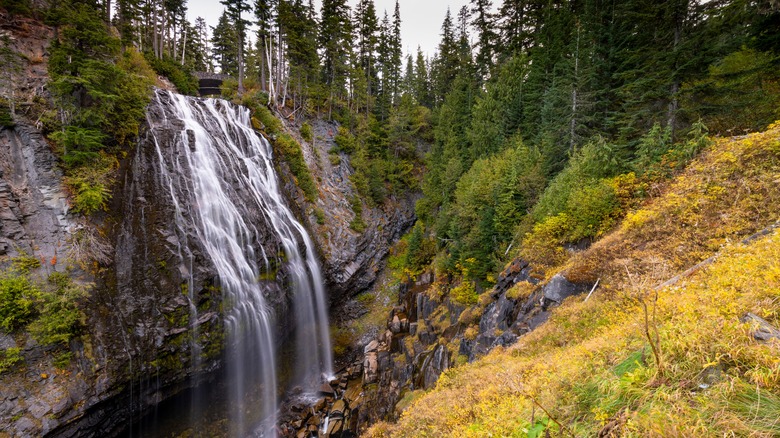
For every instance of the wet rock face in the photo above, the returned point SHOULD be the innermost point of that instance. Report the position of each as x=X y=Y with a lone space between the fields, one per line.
x=34 y=217
x=34 y=222
x=30 y=39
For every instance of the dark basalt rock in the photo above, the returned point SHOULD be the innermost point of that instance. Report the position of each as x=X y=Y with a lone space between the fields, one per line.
x=558 y=289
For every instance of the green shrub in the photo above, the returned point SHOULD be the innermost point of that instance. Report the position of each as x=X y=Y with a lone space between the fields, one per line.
x=179 y=75
x=6 y=121
x=464 y=294
x=320 y=215
x=357 y=223
x=652 y=146
x=345 y=140
x=60 y=318
x=592 y=209
x=16 y=7
x=334 y=157
x=290 y=151
x=306 y=132
x=24 y=263
x=78 y=146
x=9 y=358
x=17 y=301
x=90 y=184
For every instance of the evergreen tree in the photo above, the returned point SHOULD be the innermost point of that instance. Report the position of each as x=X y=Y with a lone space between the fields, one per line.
x=407 y=84
x=367 y=34
x=517 y=25
x=264 y=18
x=300 y=37
x=385 y=53
x=335 y=42
x=421 y=82
x=202 y=45
x=446 y=64
x=224 y=41
x=236 y=10
x=396 y=54
x=486 y=37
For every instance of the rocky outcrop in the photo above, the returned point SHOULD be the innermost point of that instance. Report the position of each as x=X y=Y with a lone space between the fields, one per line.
x=34 y=222
x=34 y=216
x=352 y=260
x=25 y=73
x=428 y=333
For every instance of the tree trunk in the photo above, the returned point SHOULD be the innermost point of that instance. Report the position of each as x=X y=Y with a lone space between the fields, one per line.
x=240 y=67
x=183 y=48
x=263 y=85
x=572 y=128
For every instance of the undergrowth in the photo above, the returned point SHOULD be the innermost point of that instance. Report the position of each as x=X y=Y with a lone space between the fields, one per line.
x=590 y=369
x=48 y=310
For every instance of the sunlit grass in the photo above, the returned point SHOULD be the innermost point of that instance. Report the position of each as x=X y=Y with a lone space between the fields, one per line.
x=590 y=369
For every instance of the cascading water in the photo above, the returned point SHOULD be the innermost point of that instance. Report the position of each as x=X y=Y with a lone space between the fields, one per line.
x=221 y=180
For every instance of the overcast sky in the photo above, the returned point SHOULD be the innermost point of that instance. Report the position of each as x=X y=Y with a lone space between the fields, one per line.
x=420 y=19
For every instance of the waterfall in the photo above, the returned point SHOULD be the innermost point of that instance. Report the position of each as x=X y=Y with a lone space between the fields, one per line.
x=220 y=177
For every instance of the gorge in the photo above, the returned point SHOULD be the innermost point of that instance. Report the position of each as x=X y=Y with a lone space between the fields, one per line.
x=562 y=222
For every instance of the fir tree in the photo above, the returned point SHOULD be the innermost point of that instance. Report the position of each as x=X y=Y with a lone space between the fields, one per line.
x=486 y=37
x=335 y=43
x=236 y=10
x=224 y=40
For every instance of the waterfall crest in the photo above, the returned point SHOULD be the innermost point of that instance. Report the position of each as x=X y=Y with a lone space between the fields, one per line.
x=221 y=181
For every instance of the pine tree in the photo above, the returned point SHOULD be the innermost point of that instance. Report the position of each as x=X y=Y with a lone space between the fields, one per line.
x=367 y=34
x=483 y=23
x=384 y=95
x=224 y=40
x=407 y=84
x=422 y=84
x=236 y=10
x=264 y=18
x=396 y=53
x=516 y=26
x=202 y=44
x=335 y=43
x=299 y=35
x=446 y=64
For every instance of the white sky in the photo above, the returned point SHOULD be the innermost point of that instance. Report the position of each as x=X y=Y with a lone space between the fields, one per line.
x=420 y=19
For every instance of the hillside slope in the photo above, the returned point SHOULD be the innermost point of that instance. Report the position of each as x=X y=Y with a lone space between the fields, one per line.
x=677 y=340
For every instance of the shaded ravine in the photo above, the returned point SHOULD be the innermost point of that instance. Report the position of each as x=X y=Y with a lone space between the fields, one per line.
x=220 y=178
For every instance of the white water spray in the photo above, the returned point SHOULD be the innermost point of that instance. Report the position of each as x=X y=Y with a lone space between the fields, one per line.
x=225 y=170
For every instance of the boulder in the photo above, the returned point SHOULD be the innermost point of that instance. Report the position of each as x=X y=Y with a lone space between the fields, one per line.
x=762 y=329
x=558 y=289
x=370 y=368
x=326 y=390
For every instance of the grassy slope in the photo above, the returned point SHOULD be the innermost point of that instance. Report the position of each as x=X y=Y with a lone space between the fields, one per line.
x=591 y=368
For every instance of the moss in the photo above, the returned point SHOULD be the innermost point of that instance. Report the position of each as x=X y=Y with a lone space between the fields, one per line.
x=271 y=124
x=213 y=341
x=180 y=317
x=520 y=290
x=290 y=151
